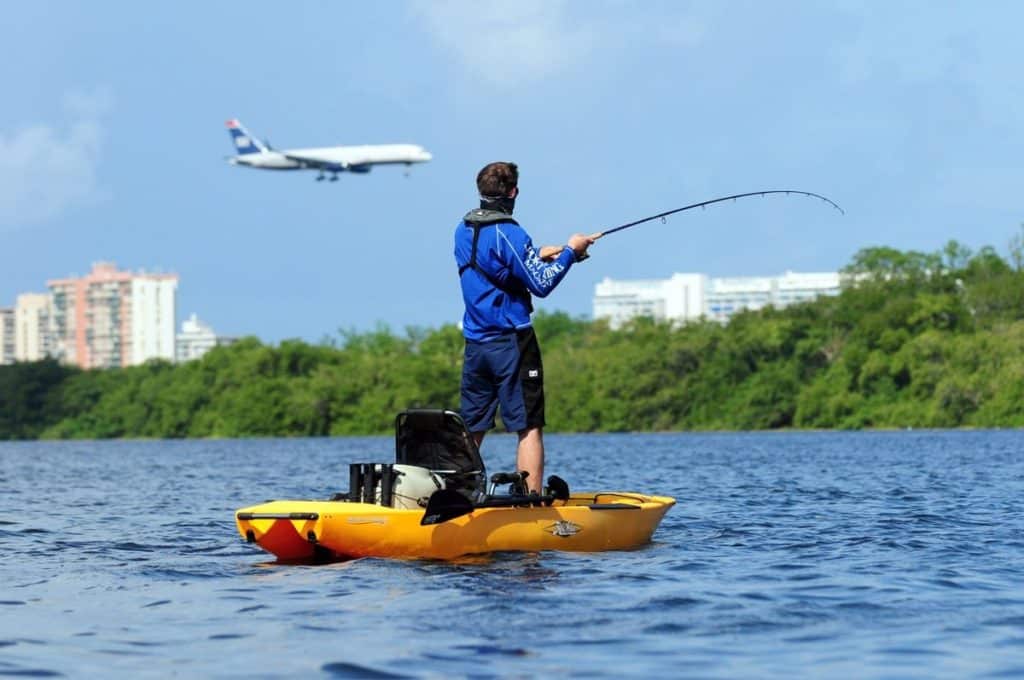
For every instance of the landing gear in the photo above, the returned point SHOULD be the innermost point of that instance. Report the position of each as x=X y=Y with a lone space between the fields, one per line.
x=334 y=177
x=320 y=177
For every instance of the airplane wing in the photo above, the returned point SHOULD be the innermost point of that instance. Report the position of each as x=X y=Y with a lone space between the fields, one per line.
x=332 y=166
x=312 y=162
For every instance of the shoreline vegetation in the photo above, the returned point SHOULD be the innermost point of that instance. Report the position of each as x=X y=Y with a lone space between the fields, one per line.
x=915 y=340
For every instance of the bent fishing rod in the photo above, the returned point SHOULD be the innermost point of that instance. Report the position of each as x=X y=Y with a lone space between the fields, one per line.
x=702 y=204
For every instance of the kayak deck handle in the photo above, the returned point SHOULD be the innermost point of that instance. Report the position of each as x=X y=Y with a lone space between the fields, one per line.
x=613 y=506
x=277 y=515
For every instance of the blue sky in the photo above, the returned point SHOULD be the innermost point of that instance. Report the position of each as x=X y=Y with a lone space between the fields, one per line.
x=112 y=142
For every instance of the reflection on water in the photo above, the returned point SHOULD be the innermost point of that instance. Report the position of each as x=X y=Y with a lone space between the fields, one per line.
x=789 y=554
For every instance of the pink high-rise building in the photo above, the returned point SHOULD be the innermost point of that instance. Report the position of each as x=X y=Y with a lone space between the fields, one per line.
x=112 y=318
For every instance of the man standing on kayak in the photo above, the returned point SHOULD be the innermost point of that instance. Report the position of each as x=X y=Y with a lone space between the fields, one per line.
x=500 y=269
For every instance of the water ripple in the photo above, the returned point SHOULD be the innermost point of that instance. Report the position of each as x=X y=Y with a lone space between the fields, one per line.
x=834 y=555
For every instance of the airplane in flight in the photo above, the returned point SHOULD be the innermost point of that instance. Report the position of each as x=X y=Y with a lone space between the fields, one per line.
x=254 y=153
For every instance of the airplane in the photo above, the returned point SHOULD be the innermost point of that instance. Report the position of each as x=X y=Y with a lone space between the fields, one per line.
x=254 y=153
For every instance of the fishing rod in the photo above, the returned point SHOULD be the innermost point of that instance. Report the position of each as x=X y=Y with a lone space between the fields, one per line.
x=665 y=214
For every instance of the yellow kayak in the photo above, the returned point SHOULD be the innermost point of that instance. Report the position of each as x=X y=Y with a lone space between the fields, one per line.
x=306 y=530
x=433 y=502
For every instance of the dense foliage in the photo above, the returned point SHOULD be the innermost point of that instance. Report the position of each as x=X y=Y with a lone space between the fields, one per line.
x=914 y=340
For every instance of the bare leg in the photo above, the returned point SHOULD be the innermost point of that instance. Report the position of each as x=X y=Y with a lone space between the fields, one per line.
x=530 y=457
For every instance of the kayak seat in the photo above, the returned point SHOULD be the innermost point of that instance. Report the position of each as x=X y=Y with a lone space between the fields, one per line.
x=437 y=439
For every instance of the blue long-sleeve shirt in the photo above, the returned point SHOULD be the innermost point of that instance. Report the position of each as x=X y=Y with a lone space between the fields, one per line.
x=509 y=263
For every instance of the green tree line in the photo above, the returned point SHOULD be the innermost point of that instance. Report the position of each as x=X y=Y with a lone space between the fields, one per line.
x=913 y=340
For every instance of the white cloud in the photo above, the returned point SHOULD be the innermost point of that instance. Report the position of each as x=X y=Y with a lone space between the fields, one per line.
x=512 y=44
x=509 y=43
x=46 y=170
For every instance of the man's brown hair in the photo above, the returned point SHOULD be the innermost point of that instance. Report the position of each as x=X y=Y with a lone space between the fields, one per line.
x=497 y=179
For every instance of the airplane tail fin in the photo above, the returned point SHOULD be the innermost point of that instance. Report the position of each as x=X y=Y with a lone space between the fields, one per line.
x=243 y=141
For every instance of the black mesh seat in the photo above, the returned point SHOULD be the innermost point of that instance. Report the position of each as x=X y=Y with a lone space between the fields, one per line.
x=437 y=439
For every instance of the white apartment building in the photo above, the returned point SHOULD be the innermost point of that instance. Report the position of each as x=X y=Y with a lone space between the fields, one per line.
x=688 y=297
x=152 y=318
x=34 y=335
x=194 y=340
x=726 y=296
x=679 y=297
x=6 y=336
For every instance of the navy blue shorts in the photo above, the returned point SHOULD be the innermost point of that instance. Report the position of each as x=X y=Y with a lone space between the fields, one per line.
x=506 y=372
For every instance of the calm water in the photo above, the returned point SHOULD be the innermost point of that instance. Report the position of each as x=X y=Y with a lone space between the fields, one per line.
x=880 y=555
